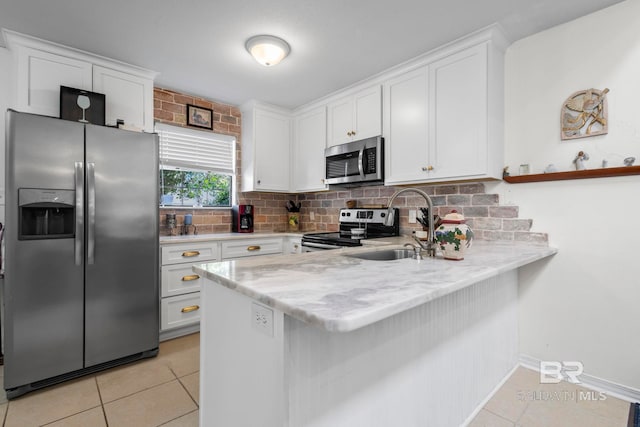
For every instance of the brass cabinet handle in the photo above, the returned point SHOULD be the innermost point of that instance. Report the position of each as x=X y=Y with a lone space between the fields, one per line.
x=427 y=168
x=253 y=248
x=190 y=253
x=190 y=308
x=190 y=277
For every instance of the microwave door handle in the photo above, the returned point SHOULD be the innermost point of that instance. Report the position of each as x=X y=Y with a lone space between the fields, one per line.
x=91 y=213
x=79 y=225
x=360 y=165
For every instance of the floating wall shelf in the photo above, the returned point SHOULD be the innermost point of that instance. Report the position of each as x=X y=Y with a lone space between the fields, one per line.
x=583 y=174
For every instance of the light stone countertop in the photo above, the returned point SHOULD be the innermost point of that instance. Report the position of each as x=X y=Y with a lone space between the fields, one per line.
x=212 y=237
x=340 y=293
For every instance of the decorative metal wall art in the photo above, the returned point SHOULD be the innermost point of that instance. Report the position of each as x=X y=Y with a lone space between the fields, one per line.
x=584 y=114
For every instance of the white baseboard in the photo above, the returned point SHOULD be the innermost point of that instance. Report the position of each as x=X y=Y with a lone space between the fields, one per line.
x=589 y=381
x=488 y=398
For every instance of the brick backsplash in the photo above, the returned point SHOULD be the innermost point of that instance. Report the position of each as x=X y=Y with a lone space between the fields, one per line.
x=485 y=215
x=488 y=219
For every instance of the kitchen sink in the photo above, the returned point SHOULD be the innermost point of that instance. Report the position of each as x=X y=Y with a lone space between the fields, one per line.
x=386 y=255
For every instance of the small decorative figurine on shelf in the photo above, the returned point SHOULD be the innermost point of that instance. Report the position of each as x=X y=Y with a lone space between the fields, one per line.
x=629 y=161
x=505 y=171
x=580 y=159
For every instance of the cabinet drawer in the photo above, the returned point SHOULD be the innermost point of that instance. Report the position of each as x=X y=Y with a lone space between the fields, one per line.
x=181 y=310
x=193 y=253
x=253 y=247
x=178 y=279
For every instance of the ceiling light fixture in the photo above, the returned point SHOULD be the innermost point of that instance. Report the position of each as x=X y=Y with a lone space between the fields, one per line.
x=268 y=50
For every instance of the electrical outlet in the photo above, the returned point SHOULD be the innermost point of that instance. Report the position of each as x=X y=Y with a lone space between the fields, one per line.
x=312 y=216
x=412 y=216
x=262 y=319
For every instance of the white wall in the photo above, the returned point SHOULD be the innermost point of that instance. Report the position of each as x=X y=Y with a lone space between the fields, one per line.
x=5 y=96
x=584 y=304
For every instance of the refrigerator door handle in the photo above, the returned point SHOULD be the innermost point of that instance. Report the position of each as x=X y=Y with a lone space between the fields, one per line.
x=79 y=231
x=91 y=213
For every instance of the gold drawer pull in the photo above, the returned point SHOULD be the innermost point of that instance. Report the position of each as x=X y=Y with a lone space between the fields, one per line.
x=253 y=248
x=190 y=308
x=190 y=253
x=190 y=277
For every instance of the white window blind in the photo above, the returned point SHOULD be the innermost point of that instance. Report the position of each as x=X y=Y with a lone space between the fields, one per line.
x=193 y=149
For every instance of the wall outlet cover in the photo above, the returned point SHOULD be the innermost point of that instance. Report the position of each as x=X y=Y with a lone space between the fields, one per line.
x=262 y=319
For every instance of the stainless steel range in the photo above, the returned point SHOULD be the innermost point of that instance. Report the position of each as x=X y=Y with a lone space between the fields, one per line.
x=355 y=225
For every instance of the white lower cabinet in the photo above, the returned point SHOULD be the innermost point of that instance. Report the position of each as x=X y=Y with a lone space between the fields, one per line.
x=180 y=306
x=180 y=311
x=293 y=245
x=180 y=286
x=179 y=279
x=251 y=247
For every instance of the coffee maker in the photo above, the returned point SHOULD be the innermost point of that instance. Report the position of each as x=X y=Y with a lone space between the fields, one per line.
x=242 y=219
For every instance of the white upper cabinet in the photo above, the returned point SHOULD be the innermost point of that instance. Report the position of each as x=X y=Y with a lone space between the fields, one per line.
x=266 y=141
x=41 y=67
x=443 y=121
x=458 y=115
x=406 y=130
x=356 y=116
x=308 y=169
x=127 y=97
x=39 y=77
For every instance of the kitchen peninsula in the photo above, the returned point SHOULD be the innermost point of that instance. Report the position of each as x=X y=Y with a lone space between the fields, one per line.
x=327 y=339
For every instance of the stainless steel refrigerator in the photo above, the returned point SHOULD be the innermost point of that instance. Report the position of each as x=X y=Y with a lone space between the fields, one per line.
x=81 y=260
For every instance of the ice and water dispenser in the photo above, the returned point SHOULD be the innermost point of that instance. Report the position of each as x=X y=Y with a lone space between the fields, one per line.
x=45 y=213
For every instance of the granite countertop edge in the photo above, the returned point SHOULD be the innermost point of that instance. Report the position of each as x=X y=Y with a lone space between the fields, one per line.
x=339 y=293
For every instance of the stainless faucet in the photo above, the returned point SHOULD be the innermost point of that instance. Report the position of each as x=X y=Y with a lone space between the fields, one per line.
x=430 y=245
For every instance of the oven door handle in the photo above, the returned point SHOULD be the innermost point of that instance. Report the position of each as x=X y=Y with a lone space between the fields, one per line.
x=320 y=245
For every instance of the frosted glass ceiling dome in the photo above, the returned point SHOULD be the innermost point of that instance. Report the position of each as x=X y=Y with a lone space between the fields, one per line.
x=268 y=50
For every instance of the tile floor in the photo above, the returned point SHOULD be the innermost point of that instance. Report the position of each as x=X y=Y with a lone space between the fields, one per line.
x=524 y=402
x=164 y=392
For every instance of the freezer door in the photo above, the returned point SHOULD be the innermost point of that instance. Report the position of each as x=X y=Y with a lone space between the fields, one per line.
x=43 y=287
x=122 y=251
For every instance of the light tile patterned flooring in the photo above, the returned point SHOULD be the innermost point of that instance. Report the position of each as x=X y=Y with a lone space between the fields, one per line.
x=524 y=402
x=164 y=392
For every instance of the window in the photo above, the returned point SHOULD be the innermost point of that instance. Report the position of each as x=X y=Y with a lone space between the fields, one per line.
x=197 y=169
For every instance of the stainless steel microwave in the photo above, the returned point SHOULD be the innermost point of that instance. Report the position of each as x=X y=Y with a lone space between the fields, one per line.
x=357 y=162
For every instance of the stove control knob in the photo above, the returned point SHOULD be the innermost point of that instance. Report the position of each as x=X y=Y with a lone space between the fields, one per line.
x=383 y=214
